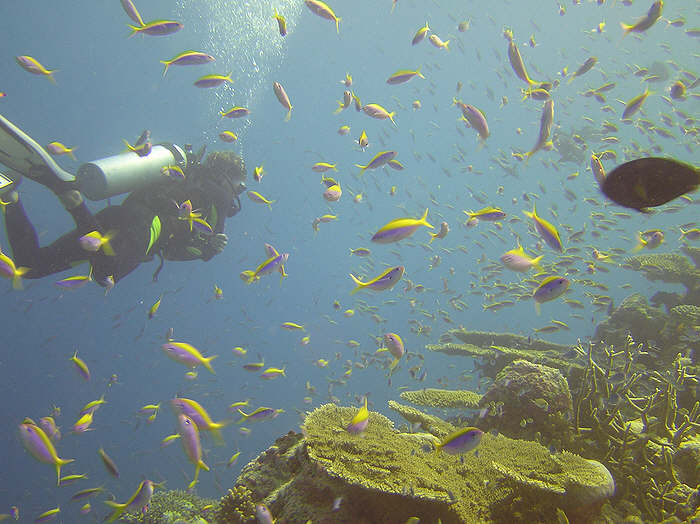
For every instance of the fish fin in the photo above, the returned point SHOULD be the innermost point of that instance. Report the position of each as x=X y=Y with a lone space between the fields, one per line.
x=207 y=363
x=424 y=221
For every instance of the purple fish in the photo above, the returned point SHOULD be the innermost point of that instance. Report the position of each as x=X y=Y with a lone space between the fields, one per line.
x=38 y=444
x=187 y=58
x=461 y=441
x=476 y=119
x=157 y=28
x=259 y=415
x=379 y=160
x=191 y=444
x=549 y=289
x=263 y=515
x=48 y=424
x=235 y=112
x=386 y=280
x=132 y=12
x=212 y=80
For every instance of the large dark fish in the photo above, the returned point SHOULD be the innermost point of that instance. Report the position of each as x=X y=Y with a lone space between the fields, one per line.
x=650 y=182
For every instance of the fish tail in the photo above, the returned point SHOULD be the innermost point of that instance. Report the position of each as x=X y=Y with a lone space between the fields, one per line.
x=432 y=237
x=337 y=25
x=60 y=462
x=249 y=276
x=206 y=362
x=167 y=65
x=536 y=261
x=537 y=308
x=70 y=154
x=134 y=29
x=118 y=510
x=447 y=45
x=269 y=204
x=106 y=245
x=420 y=74
x=244 y=417
x=289 y=114
x=17 y=277
x=50 y=75
x=423 y=220
x=625 y=28
x=393 y=365
x=340 y=107
x=358 y=283
x=391 y=117
x=202 y=465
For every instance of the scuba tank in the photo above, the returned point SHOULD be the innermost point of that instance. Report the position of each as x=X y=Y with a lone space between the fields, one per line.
x=126 y=172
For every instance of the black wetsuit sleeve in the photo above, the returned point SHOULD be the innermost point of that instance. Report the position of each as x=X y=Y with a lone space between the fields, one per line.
x=130 y=231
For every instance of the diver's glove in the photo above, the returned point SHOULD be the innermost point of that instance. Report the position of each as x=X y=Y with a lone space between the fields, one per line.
x=218 y=242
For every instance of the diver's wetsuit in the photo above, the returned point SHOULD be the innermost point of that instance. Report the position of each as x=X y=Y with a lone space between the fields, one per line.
x=131 y=223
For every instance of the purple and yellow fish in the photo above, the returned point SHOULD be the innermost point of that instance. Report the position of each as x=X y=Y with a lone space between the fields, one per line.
x=360 y=421
x=9 y=270
x=39 y=446
x=275 y=261
x=400 y=228
x=386 y=280
x=32 y=65
x=461 y=441
x=157 y=28
x=187 y=58
x=139 y=500
x=188 y=355
x=379 y=160
x=546 y=230
x=213 y=80
x=259 y=415
x=549 y=289
x=200 y=416
x=191 y=444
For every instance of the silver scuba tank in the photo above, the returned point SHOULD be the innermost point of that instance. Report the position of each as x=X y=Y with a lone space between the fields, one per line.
x=126 y=172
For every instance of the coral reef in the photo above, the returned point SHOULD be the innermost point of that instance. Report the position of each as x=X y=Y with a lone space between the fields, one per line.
x=430 y=423
x=442 y=398
x=629 y=418
x=529 y=401
x=633 y=316
x=384 y=475
x=671 y=268
x=174 y=507
x=494 y=351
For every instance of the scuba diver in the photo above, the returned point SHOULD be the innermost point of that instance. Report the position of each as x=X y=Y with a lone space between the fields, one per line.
x=176 y=208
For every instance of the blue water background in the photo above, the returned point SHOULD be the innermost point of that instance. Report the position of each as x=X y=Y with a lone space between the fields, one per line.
x=110 y=87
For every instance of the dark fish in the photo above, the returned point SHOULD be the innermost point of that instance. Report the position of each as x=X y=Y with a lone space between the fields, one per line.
x=649 y=182
x=109 y=463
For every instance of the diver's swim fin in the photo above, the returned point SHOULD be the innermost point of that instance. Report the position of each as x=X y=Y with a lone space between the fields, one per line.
x=21 y=153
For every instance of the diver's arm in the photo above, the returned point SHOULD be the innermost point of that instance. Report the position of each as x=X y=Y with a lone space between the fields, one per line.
x=196 y=247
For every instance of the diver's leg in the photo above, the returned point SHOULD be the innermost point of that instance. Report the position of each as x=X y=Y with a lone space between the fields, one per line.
x=58 y=256
x=74 y=203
